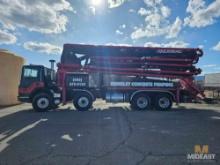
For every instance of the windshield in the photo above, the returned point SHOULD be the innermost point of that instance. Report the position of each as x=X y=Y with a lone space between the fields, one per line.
x=30 y=73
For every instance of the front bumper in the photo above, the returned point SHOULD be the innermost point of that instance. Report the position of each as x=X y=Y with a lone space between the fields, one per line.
x=25 y=99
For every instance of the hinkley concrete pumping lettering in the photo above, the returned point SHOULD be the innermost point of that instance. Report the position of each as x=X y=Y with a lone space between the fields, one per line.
x=141 y=84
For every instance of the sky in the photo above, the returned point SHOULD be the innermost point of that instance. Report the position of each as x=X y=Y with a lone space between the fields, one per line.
x=37 y=29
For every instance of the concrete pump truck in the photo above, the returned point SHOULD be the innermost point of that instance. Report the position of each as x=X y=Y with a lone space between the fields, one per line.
x=145 y=77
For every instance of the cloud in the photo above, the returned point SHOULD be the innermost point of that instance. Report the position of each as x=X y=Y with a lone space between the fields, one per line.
x=131 y=11
x=201 y=15
x=201 y=46
x=217 y=47
x=119 y=44
x=165 y=11
x=156 y=21
x=175 y=28
x=45 y=16
x=115 y=3
x=174 y=44
x=209 y=66
x=123 y=26
x=152 y=2
x=143 y=12
x=119 y=32
x=7 y=38
x=152 y=44
x=42 y=47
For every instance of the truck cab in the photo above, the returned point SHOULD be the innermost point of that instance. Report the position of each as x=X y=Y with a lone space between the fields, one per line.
x=38 y=86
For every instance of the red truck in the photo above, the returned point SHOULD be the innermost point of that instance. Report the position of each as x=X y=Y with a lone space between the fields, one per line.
x=145 y=77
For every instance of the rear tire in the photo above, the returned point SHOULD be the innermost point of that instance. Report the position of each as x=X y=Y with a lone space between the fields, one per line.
x=83 y=102
x=163 y=102
x=141 y=102
x=42 y=102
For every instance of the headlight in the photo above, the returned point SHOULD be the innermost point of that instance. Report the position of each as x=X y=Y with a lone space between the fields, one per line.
x=56 y=95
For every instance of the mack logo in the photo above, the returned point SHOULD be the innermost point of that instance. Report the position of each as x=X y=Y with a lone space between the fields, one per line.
x=201 y=152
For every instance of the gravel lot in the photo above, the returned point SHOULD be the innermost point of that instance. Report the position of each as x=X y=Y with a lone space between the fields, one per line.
x=110 y=134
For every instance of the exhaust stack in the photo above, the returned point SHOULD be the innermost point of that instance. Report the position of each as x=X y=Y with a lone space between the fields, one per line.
x=52 y=62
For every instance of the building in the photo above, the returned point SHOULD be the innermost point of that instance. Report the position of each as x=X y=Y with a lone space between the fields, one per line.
x=212 y=80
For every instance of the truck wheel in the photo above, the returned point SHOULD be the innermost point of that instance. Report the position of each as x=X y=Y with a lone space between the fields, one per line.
x=82 y=102
x=141 y=102
x=42 y=102
x=163 y=102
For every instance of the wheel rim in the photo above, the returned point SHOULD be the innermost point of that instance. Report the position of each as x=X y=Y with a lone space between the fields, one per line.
x=164 y=102
x=43 y=103
x=83 y=102
x=142 y=102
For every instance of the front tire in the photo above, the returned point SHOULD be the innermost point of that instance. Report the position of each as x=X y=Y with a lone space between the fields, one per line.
x=83 y=102
x=141 y=102
x=42 y=102
x=163 y=102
